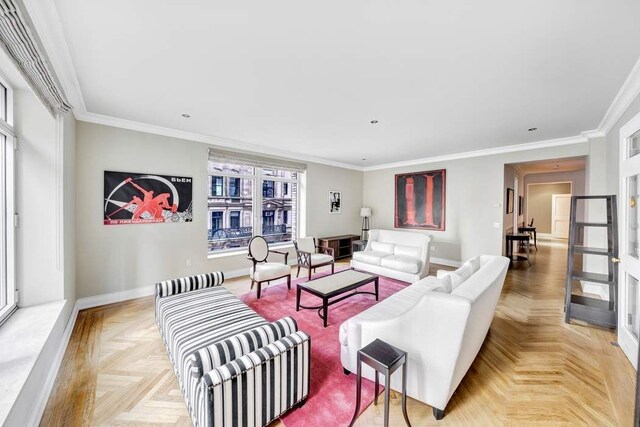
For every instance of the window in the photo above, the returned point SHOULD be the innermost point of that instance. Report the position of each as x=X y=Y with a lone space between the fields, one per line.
x=7 y=212
x=267 y=188
x=234 y=219
x=216 y=186
x=274 y=210
x=234 y=187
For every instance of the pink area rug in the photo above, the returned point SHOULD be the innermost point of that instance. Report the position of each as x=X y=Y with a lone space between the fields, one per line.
x=332 y=395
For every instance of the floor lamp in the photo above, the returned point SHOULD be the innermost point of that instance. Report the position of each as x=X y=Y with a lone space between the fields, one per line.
x=365 y=213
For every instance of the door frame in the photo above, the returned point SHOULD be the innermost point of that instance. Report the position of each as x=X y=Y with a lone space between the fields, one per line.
x=528 y=193
x=628 y=264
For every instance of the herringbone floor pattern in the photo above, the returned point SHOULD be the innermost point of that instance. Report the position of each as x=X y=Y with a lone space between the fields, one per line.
x=533 y=368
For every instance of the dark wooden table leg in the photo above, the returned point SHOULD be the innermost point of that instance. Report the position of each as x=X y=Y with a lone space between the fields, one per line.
x=358 y=390
x=387 y=392
x=325 y=310
x=298 y=290
x=404 y=391
x=527 y=248
x=376 y=286
x=535 y=239
x=375 y=397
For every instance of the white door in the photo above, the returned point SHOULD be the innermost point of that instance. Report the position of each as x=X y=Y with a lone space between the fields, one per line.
x=560 y=210
x=628 y=232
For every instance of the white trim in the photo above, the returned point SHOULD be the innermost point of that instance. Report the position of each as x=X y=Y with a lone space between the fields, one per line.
x=113 y=297
x=628 y=92
x=211 y=140
x=40 y=403
x=486 y=152
x=444 y=261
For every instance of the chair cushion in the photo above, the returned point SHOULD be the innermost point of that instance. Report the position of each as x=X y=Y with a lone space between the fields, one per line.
x=369 y=257
x=306 y=244
x=410 y=251
x=320 y=259
x=406 y=264
x=268 y=271
x=385 y=248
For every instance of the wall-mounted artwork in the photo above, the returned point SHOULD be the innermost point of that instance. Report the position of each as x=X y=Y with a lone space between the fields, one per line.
x=335 y=200
x=420 y=200
x=137 y=198
x=520 y=205
x=509 y=202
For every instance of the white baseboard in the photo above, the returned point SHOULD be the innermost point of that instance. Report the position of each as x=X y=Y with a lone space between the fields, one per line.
x=113 y=297
x=444 y=261
x=40 y=403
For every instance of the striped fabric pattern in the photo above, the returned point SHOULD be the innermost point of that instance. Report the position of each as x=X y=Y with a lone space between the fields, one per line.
x=227 y=350
x=190 y=283
x=258 y=387
x=193 y=320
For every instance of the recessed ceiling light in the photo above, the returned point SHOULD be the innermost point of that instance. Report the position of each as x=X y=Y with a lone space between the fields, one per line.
x=364 y=159
x=186 y=116
x=532 y=129
x=373 y=122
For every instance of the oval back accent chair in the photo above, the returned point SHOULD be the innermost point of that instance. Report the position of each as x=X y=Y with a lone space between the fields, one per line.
x=262 y=270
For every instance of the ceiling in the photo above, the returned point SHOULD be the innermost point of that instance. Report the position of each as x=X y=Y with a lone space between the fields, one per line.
x=308 y=77
x=571 y=164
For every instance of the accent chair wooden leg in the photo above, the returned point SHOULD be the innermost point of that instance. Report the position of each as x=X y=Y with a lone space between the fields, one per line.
x=309 y=274
x=438 y=414
x=289 y=281
x=346 y=371
x=252 y=283
x=259 y=291
x=333 y=266
x=298 y=273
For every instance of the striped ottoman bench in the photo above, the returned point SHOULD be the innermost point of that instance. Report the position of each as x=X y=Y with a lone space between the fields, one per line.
x=234 y=368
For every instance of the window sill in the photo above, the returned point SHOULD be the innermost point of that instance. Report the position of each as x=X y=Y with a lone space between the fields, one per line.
x=22 y=339
x=243 y=251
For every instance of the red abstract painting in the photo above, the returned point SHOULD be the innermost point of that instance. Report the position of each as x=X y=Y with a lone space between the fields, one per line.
x=420 y=200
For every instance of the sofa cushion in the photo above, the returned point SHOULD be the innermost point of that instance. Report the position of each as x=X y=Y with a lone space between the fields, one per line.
x=434 y=284
x=268 y=271
x=369 y=257
x=410 y=251
x=461 y=274
x=320 y=259
x=475 y=263
x=385 y=248
x=402 y=263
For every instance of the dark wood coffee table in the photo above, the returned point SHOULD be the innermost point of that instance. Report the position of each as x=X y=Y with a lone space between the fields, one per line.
x=335 y=285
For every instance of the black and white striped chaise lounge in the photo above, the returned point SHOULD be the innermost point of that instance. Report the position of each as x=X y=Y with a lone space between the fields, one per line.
x=234 y=368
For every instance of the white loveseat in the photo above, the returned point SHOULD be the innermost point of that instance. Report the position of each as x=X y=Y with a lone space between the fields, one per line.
x=441 y=331
x=401 y=255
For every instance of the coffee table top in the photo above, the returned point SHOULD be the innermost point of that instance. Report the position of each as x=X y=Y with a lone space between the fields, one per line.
x=333 y=283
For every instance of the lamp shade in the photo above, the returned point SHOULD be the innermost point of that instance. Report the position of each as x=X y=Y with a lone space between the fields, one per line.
x=365 y=212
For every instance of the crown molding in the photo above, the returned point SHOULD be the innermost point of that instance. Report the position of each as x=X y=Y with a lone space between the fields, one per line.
x=206 y=139
x=487 y=152
x=628 y=92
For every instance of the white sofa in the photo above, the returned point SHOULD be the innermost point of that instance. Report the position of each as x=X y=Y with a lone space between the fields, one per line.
x=441 y=331
x=402 y=255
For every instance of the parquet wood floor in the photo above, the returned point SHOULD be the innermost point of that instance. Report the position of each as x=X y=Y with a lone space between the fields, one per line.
x=532 y=370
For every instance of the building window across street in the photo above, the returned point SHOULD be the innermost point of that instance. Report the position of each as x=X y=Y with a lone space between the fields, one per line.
x=239 y=213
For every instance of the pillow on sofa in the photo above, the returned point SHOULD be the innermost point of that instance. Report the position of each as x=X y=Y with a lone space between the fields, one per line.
x=410 y=251
x=461 y=274
x=386 y=248
x=475 y=263
x=433 y=284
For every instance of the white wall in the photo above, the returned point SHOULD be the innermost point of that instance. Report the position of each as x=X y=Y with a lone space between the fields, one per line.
x=510 y=173
x=125 y=257
x=475 y=199
x=577 y=180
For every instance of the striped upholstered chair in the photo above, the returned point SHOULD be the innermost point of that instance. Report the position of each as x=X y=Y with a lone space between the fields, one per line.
x=217 y=344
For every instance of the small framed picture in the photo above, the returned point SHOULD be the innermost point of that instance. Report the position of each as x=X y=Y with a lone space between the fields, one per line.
x=335 y=200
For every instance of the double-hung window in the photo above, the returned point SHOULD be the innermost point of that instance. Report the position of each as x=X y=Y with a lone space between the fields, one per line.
x=7 y=212
x=241 y=212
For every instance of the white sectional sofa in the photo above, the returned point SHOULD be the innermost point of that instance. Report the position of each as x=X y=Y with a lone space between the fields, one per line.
x=401 y=255
x=441 y=323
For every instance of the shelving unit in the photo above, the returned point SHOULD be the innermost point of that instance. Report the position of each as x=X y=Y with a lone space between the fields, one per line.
x=588 y=309
x=342 y=245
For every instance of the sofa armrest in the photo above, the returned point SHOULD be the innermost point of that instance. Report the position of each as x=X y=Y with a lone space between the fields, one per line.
x=191 y=283
x=257 y=387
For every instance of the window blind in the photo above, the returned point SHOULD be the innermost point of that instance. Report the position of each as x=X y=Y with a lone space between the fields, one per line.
x=225 y=156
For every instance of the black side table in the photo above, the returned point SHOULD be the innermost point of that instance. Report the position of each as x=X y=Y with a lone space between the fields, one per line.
x=385 y=359
x=358 y=245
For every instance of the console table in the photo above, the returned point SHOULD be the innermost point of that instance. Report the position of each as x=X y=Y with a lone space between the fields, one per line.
x=342 y=245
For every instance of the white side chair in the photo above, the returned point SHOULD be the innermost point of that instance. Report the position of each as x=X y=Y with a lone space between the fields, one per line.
x=312 y=256
x=262 y=270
